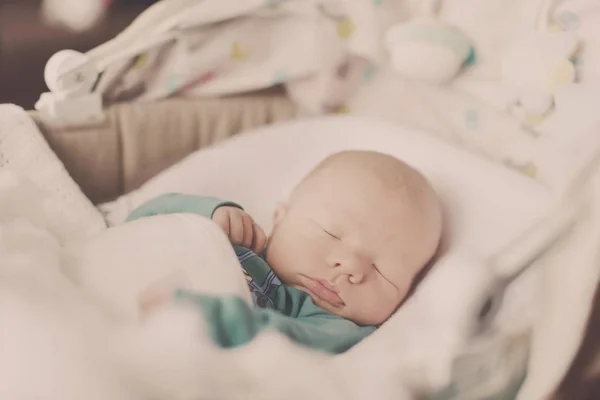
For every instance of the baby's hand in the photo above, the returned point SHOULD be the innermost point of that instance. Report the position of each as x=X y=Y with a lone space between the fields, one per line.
x=154 y=297
x=240 y=228
x=161 y=292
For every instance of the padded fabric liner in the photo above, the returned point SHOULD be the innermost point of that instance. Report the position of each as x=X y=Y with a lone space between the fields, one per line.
x=138 y=140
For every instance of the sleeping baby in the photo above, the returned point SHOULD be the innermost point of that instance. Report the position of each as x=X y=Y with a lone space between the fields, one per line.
x=342 y=256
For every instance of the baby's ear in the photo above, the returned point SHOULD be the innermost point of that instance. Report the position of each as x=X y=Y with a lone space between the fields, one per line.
x=279 y=213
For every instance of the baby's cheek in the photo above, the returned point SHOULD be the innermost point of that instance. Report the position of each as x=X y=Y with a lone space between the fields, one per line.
x=373 y=304
x=404 y=282
x=313 y=251
x=402 y=290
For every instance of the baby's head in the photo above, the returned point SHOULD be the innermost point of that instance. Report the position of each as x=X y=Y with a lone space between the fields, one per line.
x=355 y=233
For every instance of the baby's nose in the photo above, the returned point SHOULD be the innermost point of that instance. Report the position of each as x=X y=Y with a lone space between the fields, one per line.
x=355 y=265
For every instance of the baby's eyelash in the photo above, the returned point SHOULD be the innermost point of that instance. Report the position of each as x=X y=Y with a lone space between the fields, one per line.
x=383 y=276
x=331 y=234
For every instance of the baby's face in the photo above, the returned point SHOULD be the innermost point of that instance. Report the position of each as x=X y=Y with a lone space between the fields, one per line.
x=348 y=244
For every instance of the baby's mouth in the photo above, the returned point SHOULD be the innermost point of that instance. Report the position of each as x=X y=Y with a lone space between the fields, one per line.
x=323 y=291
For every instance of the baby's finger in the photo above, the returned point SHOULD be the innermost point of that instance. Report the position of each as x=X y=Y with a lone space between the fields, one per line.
x=236 y=228
x=222 y=217
x=259 y=239
x=248 y=231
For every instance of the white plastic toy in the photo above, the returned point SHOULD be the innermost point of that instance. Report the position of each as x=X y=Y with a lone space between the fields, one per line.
x=536 y=66
x=72 y=77
x=427 y=49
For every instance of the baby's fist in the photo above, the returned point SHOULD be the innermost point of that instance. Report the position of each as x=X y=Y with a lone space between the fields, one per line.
x=241 y=229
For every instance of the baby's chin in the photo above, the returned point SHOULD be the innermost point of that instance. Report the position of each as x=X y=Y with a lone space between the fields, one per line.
x=367 y=320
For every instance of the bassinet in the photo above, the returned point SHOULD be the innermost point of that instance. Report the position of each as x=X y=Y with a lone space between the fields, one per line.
x=135 y=141
x=138 y=140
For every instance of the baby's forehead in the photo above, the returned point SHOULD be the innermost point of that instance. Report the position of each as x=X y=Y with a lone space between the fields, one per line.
x=372 y=214
x=384 y=177
x=352 y=178
x=362 y=190
x=385 y=187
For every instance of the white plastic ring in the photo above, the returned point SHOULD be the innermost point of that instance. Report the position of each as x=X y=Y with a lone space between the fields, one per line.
x=69 y=71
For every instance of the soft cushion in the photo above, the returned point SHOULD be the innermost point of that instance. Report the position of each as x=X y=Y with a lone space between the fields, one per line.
x=486 y=204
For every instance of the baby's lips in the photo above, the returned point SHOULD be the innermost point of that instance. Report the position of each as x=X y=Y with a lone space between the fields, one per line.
x=325 y=293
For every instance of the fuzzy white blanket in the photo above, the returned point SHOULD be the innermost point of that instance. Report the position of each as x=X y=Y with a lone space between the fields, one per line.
x=64 y=335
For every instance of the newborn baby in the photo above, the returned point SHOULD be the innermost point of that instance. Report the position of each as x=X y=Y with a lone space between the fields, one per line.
x=343 y=254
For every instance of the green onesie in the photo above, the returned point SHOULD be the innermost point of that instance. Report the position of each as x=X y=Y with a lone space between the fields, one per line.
x=232 y=322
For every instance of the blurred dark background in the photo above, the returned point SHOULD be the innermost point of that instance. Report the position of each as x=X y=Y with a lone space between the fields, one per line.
x=27 y=42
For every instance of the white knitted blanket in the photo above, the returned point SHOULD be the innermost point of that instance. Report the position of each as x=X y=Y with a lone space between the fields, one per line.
x=25 y=152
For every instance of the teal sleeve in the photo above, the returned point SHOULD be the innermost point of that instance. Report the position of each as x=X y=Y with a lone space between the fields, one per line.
x=176 y=203
x=232 y=322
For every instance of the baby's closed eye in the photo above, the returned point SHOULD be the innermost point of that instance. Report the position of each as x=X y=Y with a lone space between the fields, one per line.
x=383 y=276
x=327 y=230
x=331 y=234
